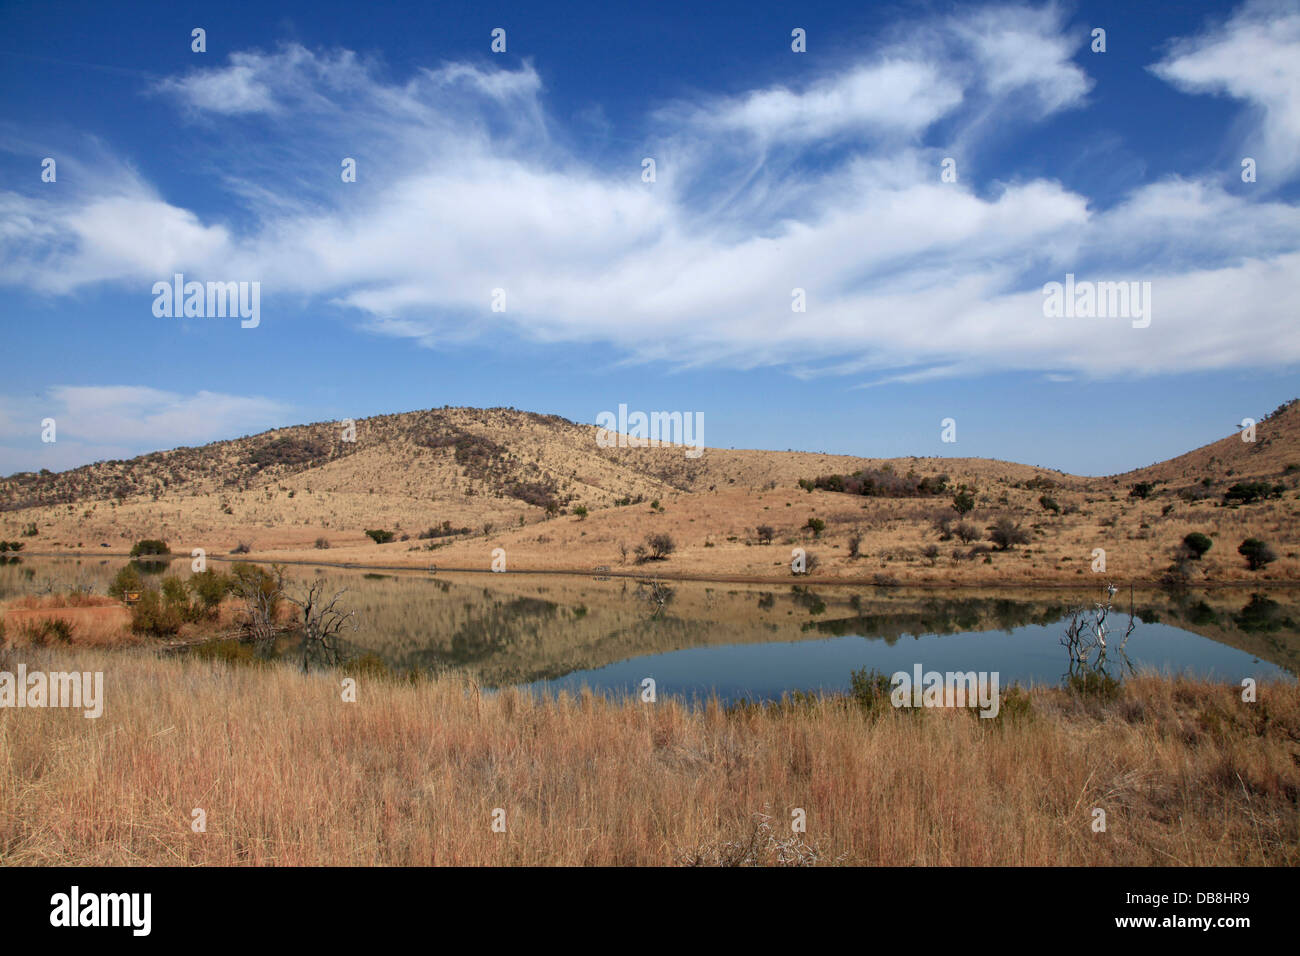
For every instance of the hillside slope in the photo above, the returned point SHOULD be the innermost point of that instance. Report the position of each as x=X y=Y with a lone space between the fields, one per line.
x=454 y=484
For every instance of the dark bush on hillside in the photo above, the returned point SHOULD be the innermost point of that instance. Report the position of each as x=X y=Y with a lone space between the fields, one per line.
x=816 y=526
x=855 y=544
x=149 y=546
x=657 y=547
x=1247 y=492
x=379 y=536
x=1006 y=534
x=1256 y=553
x=1197 y=544
x=878 y=483
x=1142 y=489
x=536 y=493
x=242 y=548
x=964 y=500
x=446 y=531
x=475 y=452
x=765 y=533
x=1049 y=504
x=288 y=451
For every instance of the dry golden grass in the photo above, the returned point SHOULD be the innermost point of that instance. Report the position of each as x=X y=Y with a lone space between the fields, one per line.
x=67 y=599
x=98 y=622
x=410 y=774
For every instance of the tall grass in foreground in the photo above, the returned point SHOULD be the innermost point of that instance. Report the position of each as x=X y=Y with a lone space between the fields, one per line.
x=410 y=774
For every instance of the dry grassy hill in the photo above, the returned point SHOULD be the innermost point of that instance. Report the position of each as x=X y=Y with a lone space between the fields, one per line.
x=501 y=478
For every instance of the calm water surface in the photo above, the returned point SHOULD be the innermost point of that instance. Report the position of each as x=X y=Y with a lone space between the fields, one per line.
x=552 y=633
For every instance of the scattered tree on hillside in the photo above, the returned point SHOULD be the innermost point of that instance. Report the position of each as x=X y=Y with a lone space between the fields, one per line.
x=657 y=547
x=1006 y=534
x=1197 y=544
x=1256 y=553
x=963 y=502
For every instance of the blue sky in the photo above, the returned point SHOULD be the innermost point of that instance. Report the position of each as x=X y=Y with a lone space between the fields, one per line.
x=774 y=170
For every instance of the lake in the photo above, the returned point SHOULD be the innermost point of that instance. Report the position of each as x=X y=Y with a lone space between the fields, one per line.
x=559 y=632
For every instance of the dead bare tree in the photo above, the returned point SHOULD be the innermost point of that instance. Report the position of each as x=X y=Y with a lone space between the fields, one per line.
x=322 y=623
x=1086 y=635
x=259 y=592
x=657 y=595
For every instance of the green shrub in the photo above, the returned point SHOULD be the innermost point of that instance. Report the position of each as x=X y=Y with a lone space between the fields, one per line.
x=870 y=688
x=1014 y=705
x=816 y=526
x=1142 y=489
x=150 y=615
x=210 y=587
x=1094 y=683
x=1049 y=504
x=127 y=579
x=379 y=536
x=963 y=501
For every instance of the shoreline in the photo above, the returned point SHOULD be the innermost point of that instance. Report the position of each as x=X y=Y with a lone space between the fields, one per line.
x=897 y=584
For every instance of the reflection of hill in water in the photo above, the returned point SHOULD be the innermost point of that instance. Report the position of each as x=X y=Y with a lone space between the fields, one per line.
x=527 y=628
x=519 y=628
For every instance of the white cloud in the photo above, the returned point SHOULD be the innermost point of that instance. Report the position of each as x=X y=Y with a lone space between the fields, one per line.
x=462 y=189
x=119 y=421
x=1255 y=58
x=892 y=96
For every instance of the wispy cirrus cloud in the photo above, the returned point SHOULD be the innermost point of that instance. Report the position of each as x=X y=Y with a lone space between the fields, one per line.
x=464 y=188
x=1254 y=58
